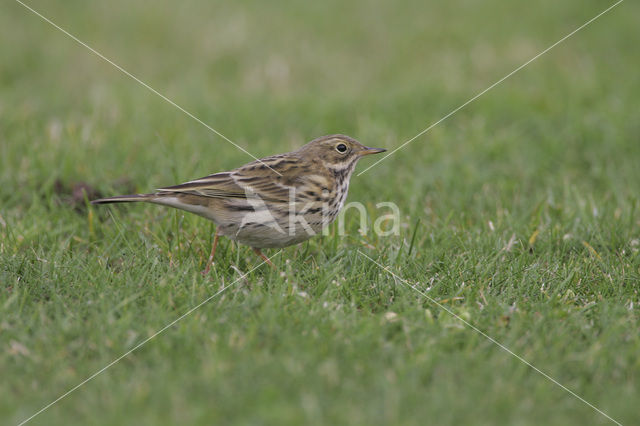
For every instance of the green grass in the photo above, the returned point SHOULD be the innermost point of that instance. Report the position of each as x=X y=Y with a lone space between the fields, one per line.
x=524 y=206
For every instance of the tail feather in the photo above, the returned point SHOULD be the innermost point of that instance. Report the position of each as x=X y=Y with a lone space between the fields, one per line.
x=192 y=203
x=124 y=199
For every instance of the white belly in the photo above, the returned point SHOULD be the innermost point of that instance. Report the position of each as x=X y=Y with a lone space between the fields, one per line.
x=269 y=233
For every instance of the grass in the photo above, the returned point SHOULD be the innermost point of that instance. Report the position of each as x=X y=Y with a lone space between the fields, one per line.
x=520 y=213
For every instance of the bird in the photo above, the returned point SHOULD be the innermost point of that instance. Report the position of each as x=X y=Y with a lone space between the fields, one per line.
x=273 y=202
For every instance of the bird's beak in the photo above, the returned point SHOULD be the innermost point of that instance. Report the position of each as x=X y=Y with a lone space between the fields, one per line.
x=368 y=151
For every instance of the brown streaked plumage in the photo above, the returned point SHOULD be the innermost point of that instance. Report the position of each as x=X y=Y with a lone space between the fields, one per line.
x=276 y=201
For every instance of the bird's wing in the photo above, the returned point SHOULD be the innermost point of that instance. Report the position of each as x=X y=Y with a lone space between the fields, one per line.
x=272 y=178
x=218 y=185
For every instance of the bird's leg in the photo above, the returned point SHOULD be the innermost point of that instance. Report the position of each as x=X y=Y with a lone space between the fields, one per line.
x=213 y=253
x=265 y=258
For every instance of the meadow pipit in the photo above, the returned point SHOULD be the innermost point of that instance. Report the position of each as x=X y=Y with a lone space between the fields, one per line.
x=273 y=202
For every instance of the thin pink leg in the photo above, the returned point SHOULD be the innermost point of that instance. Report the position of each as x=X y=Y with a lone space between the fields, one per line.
x=265 y=258
x=213 y=253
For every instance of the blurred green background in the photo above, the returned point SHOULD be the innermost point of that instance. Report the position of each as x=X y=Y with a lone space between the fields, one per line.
x=520 y=212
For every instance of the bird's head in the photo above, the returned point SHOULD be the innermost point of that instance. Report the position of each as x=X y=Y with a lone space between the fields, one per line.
x=339 y=153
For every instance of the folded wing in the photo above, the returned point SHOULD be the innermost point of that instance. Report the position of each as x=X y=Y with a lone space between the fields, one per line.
x=270 y=179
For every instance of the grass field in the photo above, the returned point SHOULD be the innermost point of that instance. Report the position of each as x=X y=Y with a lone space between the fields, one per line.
x=520 y=214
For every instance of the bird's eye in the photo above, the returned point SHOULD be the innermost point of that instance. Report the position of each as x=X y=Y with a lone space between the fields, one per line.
x=341 y=148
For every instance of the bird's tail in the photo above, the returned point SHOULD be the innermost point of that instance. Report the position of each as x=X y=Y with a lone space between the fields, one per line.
x=188 y=202
x=125 y=199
